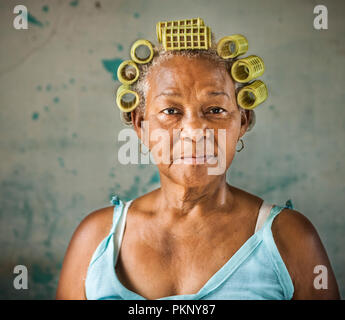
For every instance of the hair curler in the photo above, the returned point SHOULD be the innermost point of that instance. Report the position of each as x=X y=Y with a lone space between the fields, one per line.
x=128 y=72
x=232 y=46
x=186 y=37
x=185 y=22
x=250 y=96
x=127 y=100
x=246 y=69
x=193 y=34
x=140 y=45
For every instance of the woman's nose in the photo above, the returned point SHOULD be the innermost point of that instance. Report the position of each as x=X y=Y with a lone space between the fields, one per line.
x=193 y=128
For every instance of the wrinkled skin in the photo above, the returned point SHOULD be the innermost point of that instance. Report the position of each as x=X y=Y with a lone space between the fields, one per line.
x=189 y=94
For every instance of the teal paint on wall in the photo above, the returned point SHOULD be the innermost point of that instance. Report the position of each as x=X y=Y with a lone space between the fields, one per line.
x=41 y=275
x=155 y=178
x=45 y=8
x=61 y=162
x=34 y=21
x=112 y=66
x=74 y=3
x=35 y=116
x=133 y=191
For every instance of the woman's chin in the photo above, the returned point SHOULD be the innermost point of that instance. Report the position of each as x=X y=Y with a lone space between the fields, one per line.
x=193 y=174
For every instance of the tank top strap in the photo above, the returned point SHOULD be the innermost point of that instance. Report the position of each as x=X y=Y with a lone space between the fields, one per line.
x=275 y=211
x=117 y=213
x=274 y=254
x=264 y=212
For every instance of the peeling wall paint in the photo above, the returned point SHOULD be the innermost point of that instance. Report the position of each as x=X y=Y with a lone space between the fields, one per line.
x=59 y=122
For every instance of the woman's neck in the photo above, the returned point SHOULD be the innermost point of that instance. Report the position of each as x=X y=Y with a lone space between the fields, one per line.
x=181 y=200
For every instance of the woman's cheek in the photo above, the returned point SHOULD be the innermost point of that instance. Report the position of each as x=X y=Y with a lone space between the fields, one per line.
x=226 y=143
x=161 y=120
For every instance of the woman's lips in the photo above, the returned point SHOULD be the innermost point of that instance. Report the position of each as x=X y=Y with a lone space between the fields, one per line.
x=196 y=160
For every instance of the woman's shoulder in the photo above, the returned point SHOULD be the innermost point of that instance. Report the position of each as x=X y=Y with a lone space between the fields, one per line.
x=92 y=229
x=84 y=241
x=295 y=232
x=302 y=251
x=97 y=223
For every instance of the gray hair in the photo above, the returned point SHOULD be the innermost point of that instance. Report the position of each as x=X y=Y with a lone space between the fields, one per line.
x=141 y=86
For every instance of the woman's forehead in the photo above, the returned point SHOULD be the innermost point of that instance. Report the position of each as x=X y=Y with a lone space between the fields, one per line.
x=181 y=71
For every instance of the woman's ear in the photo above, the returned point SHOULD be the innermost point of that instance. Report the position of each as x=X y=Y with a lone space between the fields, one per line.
x=245 y=120
x=137 y=117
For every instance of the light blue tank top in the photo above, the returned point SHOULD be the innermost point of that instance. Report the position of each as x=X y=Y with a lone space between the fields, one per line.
x=255 y=271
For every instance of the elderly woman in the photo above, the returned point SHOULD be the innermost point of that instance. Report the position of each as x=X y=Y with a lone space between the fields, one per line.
x=197 y=236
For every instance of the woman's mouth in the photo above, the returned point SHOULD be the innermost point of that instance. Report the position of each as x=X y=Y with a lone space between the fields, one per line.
x=206 y=159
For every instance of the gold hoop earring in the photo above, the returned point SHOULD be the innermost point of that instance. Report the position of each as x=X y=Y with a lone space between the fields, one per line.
x=241 y=146
x=141 y=150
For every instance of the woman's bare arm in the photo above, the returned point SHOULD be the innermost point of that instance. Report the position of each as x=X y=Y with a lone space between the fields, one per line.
x=302 y=250
x=90 y=232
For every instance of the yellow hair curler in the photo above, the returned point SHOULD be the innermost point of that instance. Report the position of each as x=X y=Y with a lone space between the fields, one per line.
x=247 y=69
x=193 y=34
x=185 y=22
x=186 y=37
x=140 y=44
x=232 y=46
x=252 y=95
x=127 y=100
x=128 y=72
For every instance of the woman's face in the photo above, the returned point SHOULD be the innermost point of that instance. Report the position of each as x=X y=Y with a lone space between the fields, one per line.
x=186 y=98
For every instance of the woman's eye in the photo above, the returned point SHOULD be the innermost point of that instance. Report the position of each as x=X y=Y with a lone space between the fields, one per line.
x=170 y=111
x=216 y=110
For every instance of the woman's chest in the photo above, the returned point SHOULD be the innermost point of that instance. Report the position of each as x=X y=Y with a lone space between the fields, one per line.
x=159 y=264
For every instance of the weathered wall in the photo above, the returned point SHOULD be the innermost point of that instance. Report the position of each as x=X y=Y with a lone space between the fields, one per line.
x=59 y=124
